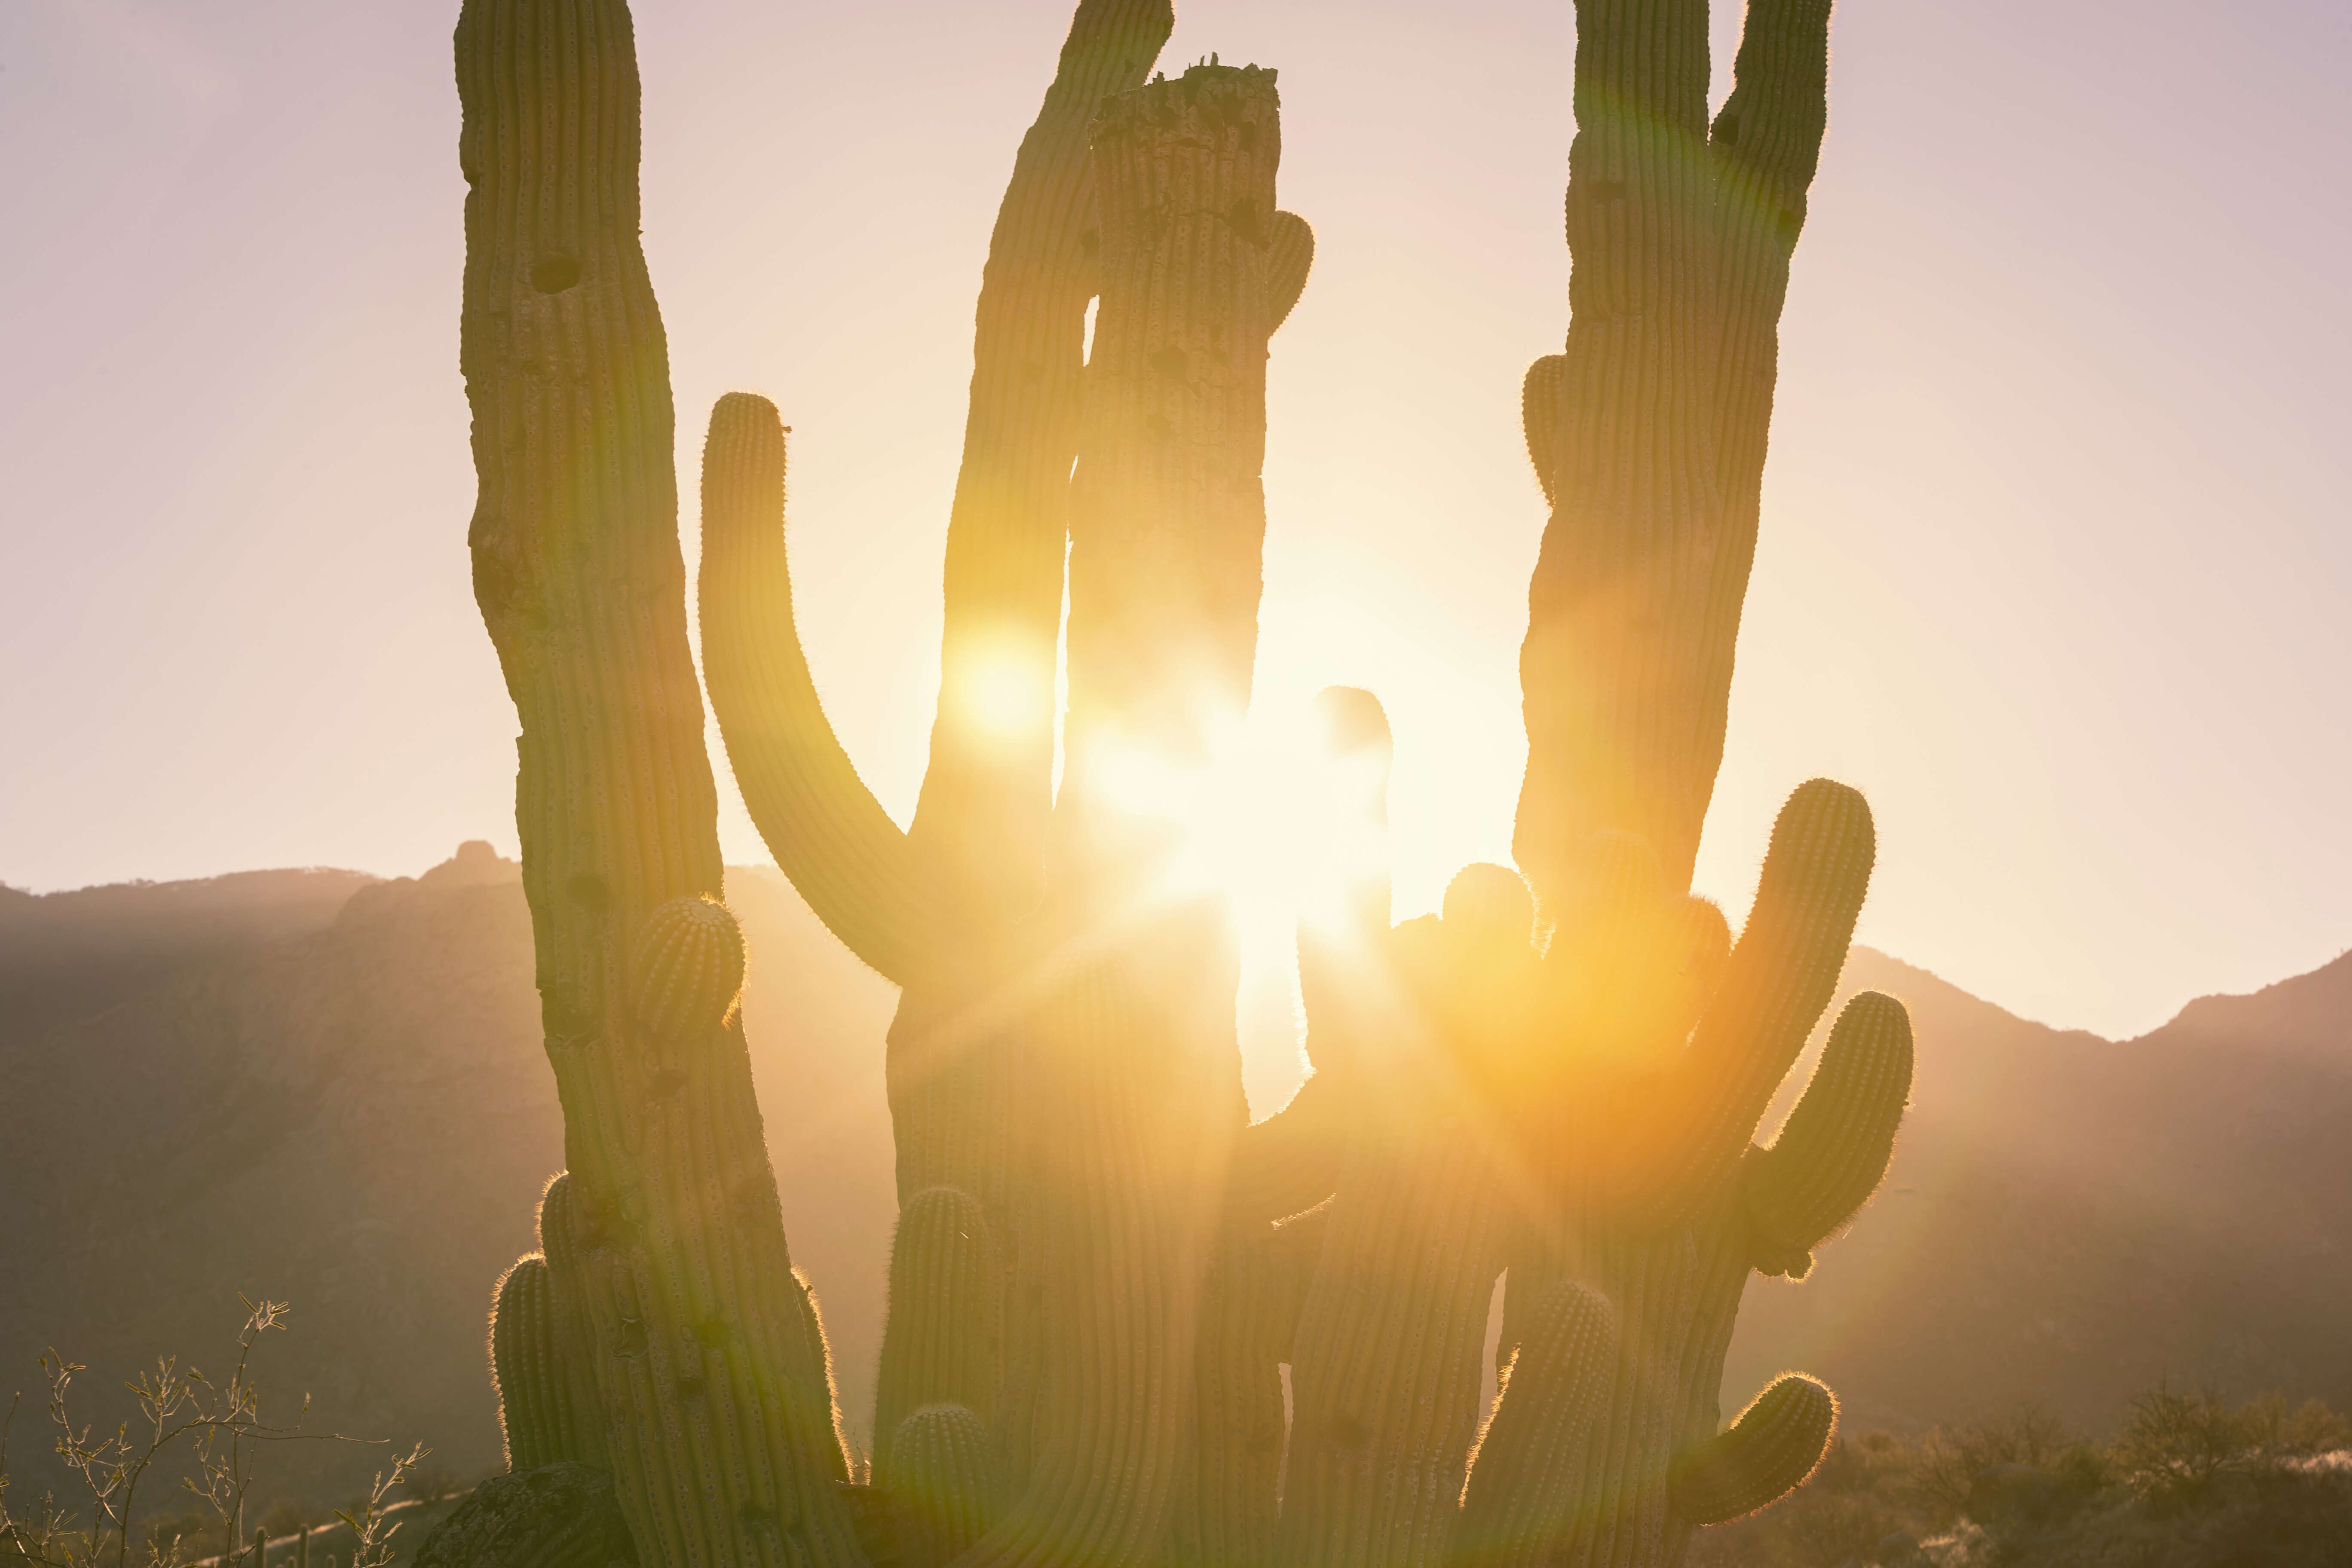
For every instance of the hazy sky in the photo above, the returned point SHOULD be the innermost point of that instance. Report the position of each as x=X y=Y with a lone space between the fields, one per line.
x=2055 y=562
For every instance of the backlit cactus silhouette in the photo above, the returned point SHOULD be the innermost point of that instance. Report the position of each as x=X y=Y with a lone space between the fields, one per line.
x=1102 y=1268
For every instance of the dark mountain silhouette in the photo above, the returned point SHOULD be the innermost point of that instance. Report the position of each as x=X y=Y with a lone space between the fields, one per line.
x=2069 y=1219
x=322 y=1088
x=335 y=1096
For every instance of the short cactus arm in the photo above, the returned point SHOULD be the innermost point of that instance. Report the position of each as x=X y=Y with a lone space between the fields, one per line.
x=1832 y=1151
x=826 y=830
x=1528 y=1474
x=1761 y=1457
x=1287 y=266
x=1776 y=983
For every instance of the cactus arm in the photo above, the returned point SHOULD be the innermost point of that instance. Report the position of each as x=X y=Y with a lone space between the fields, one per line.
x=1526 y=1482
x=573 y=1339
x=1287 y=266
x=980 y=821
x=1778 y=980
x=828 y=832
x=944 y=1338
x=1761 y=1457
x=1621 y=731
x=1766 y=143
x=1539 y=419
x=718 y=1421
x=1834 y=1149
x=942 y=1489
x=534 y=1385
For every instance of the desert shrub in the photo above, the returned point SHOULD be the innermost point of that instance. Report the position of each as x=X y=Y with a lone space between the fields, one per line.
x=2175 y=1447
x=209 y=1431
x=1944 y=1467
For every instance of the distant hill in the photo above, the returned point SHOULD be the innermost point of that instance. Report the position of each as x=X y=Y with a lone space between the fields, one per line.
x=2070 y=1218
x=327 y=1089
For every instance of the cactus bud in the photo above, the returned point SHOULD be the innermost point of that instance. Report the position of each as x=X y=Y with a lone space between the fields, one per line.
x=689 y=968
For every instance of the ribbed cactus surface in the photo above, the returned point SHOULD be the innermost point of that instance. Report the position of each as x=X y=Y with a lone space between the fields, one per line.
x=1101 y=1268
x=687 y=969
x=1680 y=235
x=944 y=1486
x=945 y=1344
x=527 y=1361
x=718 y=1421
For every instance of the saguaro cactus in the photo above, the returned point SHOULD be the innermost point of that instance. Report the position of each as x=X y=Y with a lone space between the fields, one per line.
x=1100 y=1269
x=718 y=1406
x=1648 y=432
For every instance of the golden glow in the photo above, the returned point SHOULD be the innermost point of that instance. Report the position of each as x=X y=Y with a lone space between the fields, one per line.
x=1268 y=820
x=999 y=695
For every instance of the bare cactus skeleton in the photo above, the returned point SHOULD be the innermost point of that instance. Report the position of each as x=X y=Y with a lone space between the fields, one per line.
x=1102 y=1268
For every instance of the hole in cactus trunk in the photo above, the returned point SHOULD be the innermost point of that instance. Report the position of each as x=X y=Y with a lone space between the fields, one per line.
x=555 y=274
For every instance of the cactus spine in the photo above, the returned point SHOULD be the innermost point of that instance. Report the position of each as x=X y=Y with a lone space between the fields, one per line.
x=718 y=1422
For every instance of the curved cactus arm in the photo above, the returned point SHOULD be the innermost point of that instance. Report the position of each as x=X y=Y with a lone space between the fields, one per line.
x=1287 y=266
x=1834 y=1149
x=826 y=830
x=1767 y=1453
x=1527 y=1473
x=1776 y=983
x=1540 y=418
x=1767 y=144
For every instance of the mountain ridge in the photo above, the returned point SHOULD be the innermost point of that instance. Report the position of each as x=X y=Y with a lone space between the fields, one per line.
x=328 y=1087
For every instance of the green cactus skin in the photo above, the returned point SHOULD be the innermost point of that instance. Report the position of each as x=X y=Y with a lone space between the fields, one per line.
x=1680 y=242
x=1287 y=266
x=942 y=1487
x=1776 y=1442
x=945 y=1329
x=718 y=1421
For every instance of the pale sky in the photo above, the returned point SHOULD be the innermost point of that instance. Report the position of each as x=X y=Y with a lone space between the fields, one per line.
x=2056 y=563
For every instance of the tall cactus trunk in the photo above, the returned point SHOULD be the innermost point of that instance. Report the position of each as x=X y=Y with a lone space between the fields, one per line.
x=1133 y=1056
x=715 y=1392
